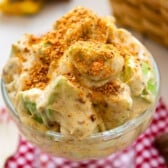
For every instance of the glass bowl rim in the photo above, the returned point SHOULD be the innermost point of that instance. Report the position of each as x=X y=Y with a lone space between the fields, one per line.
x=112 y=133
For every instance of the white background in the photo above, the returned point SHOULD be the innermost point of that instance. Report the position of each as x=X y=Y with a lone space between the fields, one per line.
x=12 y=28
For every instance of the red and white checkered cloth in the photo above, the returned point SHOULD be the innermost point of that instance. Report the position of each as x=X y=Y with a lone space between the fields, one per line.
x=142 y=154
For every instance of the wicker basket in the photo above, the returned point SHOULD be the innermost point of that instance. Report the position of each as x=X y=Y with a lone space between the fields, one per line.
x=147 y=16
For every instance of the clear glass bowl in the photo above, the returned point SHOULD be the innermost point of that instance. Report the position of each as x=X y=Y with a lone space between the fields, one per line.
x=98 y=145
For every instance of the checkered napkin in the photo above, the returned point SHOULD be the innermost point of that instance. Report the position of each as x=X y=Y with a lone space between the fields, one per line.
x=141 y=154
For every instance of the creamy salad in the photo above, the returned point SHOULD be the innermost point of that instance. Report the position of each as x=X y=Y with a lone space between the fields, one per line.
x=83 y=76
